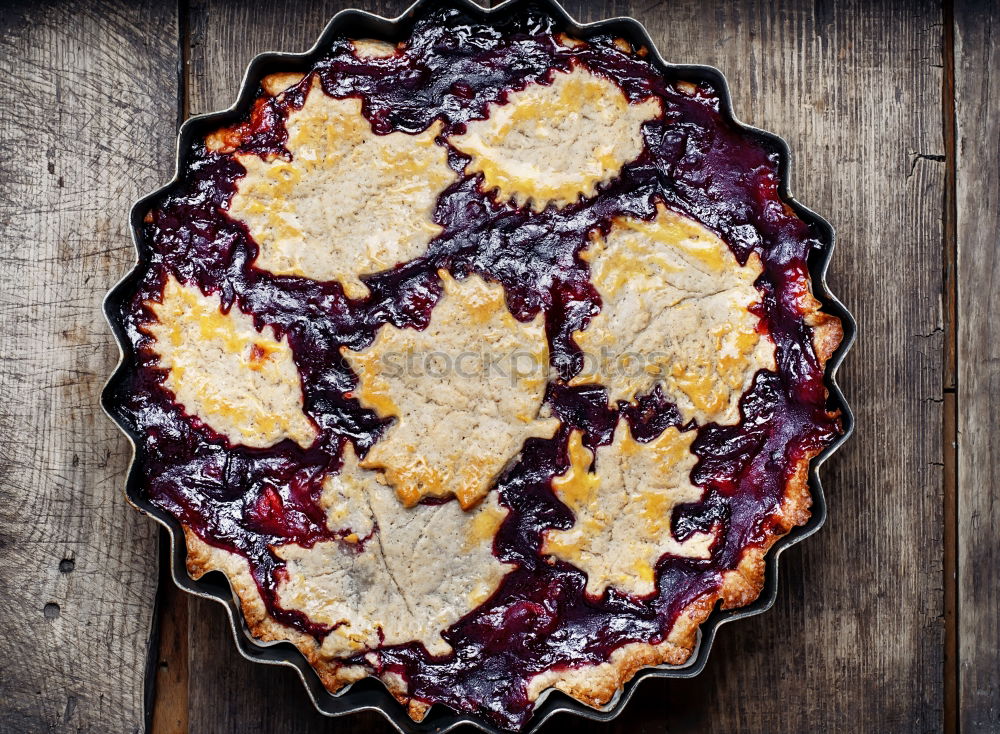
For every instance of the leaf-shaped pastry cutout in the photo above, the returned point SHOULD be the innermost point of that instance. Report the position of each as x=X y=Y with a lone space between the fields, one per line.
x=241 y=382
x=465 y=393
x=555 y=142
x=676 y=312
x=348 y=202
x=403 y=574
x=623 y=509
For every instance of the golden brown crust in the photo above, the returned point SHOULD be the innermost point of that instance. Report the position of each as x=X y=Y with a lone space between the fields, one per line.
x=552 y=143
x=743 y=584
x=275 y=84
x=228 y=139
x=202 y=558
x=593 y=685
x=623 y=45
x=372 y=48
x=596 y=685
x=828 y=333
x=223 y=140
x=569 y=41
x=417 y=709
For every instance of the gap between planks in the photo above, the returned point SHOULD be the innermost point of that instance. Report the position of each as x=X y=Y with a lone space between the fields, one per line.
x=169 y=707
x=949 y=443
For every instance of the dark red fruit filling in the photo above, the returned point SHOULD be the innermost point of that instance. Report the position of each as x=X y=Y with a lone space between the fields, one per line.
x=246 y=500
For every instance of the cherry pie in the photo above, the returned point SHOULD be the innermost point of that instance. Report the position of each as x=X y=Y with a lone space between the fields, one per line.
x=482 y=363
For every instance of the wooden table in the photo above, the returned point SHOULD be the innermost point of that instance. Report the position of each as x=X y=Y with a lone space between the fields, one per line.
x=887 y=620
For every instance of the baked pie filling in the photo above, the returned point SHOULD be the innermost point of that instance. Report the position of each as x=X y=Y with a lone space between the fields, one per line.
x=481 y=363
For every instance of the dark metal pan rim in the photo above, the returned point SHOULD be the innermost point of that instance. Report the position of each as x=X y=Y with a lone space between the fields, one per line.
x=369 y=695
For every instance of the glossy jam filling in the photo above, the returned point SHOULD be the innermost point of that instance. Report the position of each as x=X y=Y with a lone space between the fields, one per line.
x=246 y=500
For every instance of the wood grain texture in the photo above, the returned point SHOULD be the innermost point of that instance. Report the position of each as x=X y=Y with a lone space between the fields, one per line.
x=231 y=695
x=857 y=632
x=977 y=97
x=170 y=706
x=89 y=106
x=226 y=34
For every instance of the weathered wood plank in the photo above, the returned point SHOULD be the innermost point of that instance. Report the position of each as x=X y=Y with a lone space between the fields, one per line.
x=226 y=692
x=231 y=695
x=88 y=110
x=855 y=642
x=170 y=706
x=226 y=34
x=977 y=64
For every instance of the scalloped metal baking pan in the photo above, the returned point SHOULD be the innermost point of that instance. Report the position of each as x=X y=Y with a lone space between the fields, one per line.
x=370 y=695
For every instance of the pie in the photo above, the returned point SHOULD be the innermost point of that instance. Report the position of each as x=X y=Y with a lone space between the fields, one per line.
x=482 y=363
